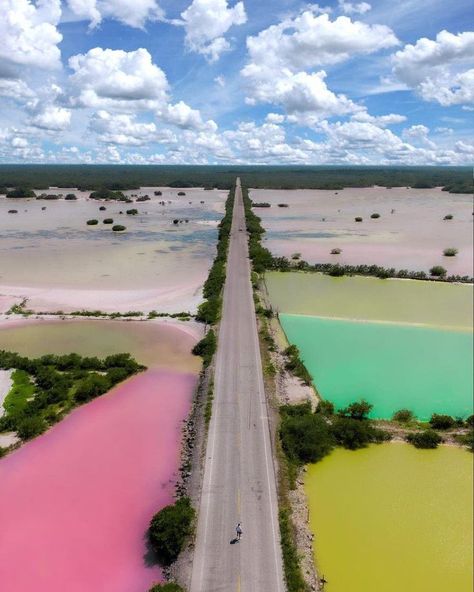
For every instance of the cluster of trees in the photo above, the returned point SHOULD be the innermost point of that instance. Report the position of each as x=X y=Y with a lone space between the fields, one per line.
x=209 y=310
x=307 y=436
x=21 y=192
x=452 y=179
x=169 y=530
x=46 y=388
x=105 y=193
x=260 y=256
x=295 y=365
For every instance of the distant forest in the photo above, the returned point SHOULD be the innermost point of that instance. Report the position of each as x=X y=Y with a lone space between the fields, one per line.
x=119 y=177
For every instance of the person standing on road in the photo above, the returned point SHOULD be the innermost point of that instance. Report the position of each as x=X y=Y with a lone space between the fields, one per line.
x=238 y=530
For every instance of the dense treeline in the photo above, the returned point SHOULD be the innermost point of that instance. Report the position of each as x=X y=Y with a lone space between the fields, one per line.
x=261 y=257
x=119 y=177
x=209 y=310
x=46 y=388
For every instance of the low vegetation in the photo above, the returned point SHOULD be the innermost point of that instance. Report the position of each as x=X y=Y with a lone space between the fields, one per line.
x=374 y=216
x=209 y=310
x=403 y=416
x=108 y=221
x=424 y=439
x=448 y=217
x=118 y=228
x=206 y=348
x=169 y=587
x=169 y=530
x=358 y=218
x=21 y=192
x=92 y=222
x=336 y=251
x=47 y=388
x=295 y=365
x=291 y=564
x=450 y=252
x=105 y=193
x=442 y=422
x=438 y=271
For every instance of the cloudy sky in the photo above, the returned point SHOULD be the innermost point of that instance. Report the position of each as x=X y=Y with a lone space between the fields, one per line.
x=253 y=81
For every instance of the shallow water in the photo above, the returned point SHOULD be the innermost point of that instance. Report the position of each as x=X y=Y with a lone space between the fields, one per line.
x=75 y=503
x=412 y=237
x=426 y=370
x=155 y=344
x=52 y=257
x=372 y=299
x=392 y=518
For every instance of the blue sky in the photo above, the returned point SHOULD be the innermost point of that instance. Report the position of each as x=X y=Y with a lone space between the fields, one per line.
x=254 y=81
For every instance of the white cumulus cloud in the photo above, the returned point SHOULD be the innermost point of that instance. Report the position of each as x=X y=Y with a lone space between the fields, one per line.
x=207 y=21
x=107 y=78
x=28 y=35
x=134 y=14
x=52 y=118
x=439 y=70
x=354 y=8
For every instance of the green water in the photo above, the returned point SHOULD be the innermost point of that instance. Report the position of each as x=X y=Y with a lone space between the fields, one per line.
x=392 y=518
x=372 y=299
x=423 y=369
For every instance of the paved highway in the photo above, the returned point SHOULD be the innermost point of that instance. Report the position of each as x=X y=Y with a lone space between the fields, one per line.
x=239 y=478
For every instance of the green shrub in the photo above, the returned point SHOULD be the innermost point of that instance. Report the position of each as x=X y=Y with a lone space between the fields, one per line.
x=291 y=563
x=92 y=222
x=118 y=228
x=336 y=251
x=374 y=216
x=403 y=416
x=438 y=271
x=21 y=192
x=357 y=410
x=448 y=217
x=169 y=529
x=29 y=427
x=426 y=439
x=325 y=407
x=355 y=433
x=450 y=252
x=168 y=587
x=70 y=197
x=295 y=365
x=358 y=218
x=206 y=347
x=306 y=437
x=132 y=212
x=91 y=387
x=442 y=422
x=108 y=221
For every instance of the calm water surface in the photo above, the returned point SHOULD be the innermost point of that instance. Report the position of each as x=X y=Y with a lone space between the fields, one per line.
x=391 y=518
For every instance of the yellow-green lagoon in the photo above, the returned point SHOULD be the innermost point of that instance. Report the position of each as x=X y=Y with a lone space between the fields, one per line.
x=391 y=518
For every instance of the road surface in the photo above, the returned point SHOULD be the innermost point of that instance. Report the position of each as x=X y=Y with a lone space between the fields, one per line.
x=239 y=478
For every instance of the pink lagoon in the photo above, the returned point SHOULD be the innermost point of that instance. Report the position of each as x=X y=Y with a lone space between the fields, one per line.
x=75 y=503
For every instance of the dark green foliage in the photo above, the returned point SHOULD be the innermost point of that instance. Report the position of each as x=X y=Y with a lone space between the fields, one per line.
x=374 y=216
x=403 y=416
x=358 y=219
x=45 y=388
x=336 y=270
x=470 y=421
x=118 y=228
x=114 y=177
x=92 y=222
x=325 y=407
x=355 y=433
x=132 y=212
x=305 y=436
x=442 y=422
x=291 y=565
x=448 y=217
x=169 y=529
x=108 y=221
x=357 y=410
x=29 y=427
x=209 y=310
x=465 y=440
x=438 y=271
x=450 y=252
x=21 y=192
x=105 y=193
x=13 y=211
x=262 y=204
x=426 y=439
x=70 y=197
x=206 y=347
x=168 y=587
x=295 y=365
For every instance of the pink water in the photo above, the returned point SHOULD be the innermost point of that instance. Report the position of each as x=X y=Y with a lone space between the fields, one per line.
x=75 y=503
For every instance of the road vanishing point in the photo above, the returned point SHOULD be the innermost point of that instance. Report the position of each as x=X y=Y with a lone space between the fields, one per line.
x=239 y=482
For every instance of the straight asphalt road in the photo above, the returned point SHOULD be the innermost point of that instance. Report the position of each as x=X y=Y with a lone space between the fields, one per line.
x=239 y=477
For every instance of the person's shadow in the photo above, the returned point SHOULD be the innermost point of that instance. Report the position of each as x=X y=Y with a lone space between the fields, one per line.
x=233 y=541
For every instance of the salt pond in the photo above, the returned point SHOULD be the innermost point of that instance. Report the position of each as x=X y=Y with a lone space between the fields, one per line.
x=58 y=262
x=77 y=500
x=391 y=518
x=366 y=298
x=412 y=237
x=427 y=370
